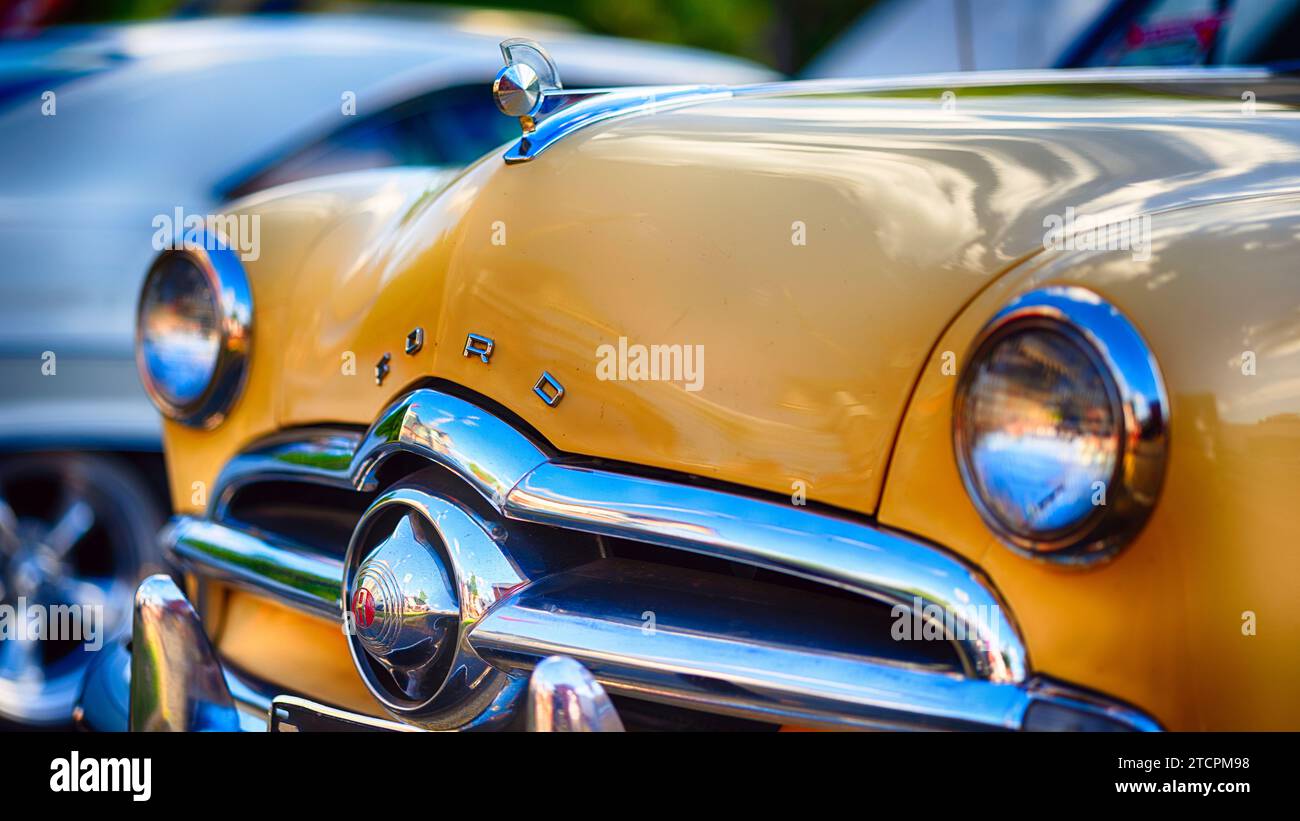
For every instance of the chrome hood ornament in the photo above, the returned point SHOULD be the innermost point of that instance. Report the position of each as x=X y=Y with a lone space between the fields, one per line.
x=521 y=87
x=529 y=89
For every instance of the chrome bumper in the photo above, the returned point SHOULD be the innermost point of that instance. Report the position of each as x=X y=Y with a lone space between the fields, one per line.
x=583 y=614
x=172 y=681
x=745 y=650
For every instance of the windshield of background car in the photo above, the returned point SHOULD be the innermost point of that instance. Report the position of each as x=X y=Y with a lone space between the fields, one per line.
x=1195 y=32
x=449 y=127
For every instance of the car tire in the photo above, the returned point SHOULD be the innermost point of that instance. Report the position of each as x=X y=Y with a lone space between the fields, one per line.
x=75 y=529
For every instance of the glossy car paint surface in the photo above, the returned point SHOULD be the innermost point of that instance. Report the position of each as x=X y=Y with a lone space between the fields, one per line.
x=1162 y=624
x=684 y=227
x=316 y=652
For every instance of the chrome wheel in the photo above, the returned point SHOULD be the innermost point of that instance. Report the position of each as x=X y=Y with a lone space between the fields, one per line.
x=76 y=534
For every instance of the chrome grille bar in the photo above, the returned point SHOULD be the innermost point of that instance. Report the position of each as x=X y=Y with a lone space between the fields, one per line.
x=290 y=574
x=838 y=552
x=480 y=448
x=517 y=477
x=762 y=660
x=714 y=661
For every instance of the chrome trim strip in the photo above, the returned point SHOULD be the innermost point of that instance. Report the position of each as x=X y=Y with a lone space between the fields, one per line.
x=488 y=453
x=565 y=111
x=483 y=450
x=1087 y=704
x=715 y=675
x=284 y=710
x=873 y=562
x=580 y=108
x=319 y=456
x=686 y=662
x=773 y=669
x=1138 y=76
x=305 y=580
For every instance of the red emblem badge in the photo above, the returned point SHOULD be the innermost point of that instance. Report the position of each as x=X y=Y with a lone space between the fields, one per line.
x=363 y=608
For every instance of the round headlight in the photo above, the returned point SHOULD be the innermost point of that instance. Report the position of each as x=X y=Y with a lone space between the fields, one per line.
x=179 y=330
x=192 y=333
x=1060 y=425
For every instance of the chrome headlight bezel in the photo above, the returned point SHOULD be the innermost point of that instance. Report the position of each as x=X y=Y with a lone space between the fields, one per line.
x=225 y=277
x=1138 y=402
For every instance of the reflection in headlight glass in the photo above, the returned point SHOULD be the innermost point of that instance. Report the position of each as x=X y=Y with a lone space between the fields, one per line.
x=1040 y=432
x=180 y=331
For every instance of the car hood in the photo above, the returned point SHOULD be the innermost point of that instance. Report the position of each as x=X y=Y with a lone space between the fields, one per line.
x=808 y=248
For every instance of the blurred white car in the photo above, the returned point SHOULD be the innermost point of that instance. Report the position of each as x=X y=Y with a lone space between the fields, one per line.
x=929 y=36
x=105 y=130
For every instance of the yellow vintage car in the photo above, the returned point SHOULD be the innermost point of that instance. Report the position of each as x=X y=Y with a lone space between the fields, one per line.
x=999 y=429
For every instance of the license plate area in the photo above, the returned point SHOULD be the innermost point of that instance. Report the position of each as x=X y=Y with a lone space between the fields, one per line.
x=290 y=714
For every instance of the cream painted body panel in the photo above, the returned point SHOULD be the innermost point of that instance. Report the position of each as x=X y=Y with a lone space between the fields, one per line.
x=1162 y=624
x=353 y=218
x=684 y=228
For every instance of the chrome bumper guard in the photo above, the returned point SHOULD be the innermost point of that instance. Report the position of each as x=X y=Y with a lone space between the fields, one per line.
x=769 y=669
x=171 y=681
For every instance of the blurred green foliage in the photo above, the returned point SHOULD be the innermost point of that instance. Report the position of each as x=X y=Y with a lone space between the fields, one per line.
x=784 y=34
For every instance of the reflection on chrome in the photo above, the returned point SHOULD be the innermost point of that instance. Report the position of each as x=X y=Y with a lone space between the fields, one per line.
x=564 y=698
x=177 y=682
x=420 y=572
x=516 y=477
x=1042 y=430
x=194 y=331
x=865 y=560
x=180 y=333
x=1059 y=426
x=586 y=608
